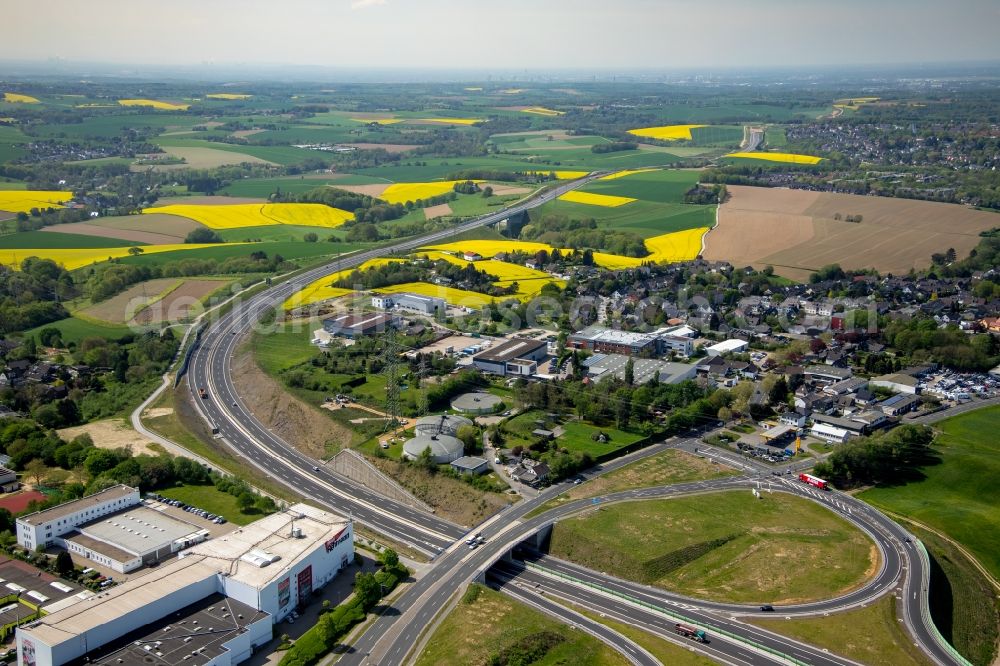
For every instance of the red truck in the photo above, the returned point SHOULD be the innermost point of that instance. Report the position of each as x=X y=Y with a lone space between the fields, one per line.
x=688 y=631
x=814 y=481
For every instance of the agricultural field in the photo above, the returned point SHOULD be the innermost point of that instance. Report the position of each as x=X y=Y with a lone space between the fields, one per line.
x=797 y=231
x=592 y=199
x=67 y=237
x=127 y=226
x=74 y=258
x=501 y=626
x=155 y=301
x=22 y=201
x=199 y=157
x=17 y=98
x=10 y=137
x=963 y=506
x=237 y=216
x=666 y=132
x=403 y=192
x=784 y=158
x=724 y=546
x=155 y=104
x=228 y=96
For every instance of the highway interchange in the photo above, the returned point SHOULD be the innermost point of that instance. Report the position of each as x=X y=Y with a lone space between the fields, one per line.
x=391 y=638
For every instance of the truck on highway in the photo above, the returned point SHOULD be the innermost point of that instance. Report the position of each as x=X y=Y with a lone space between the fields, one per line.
x=814 y=481
x=202 y=394
x=693 y=633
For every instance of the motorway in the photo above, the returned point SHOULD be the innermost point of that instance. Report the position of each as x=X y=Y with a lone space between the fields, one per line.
x=391 y=637
x=255 y=444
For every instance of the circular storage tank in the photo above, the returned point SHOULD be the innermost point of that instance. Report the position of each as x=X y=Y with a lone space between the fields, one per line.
x=441 y=424
x=475 y=403
x=444 y=448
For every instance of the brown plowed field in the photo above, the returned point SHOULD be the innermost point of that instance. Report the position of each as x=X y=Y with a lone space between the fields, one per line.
x=168 y=225
x=795 y=231
x=85 y=229
x=141 y=304
x=437 y=211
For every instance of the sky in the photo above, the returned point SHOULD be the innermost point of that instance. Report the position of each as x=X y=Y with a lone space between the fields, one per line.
x=504 y=34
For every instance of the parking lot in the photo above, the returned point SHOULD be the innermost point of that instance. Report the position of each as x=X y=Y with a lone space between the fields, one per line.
x=960 y=386
x=216 y=525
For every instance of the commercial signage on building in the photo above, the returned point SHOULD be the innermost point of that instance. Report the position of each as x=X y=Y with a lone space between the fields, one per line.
x=284 y=593
x=338 y=538
x=28 y=653
x=305 y=583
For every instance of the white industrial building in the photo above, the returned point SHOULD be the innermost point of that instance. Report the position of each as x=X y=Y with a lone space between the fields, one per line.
x=428 y=305
x=734 y=346
x=211 y=606
x=111 y=528
x=631 y=343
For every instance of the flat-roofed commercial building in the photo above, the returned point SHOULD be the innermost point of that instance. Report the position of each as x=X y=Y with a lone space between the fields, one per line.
x=43 y=527
x=630 y=343
x=223 y=595
x=517 y=356
x=111 y=528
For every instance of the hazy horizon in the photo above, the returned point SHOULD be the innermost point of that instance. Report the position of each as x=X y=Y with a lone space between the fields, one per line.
x=636 y=35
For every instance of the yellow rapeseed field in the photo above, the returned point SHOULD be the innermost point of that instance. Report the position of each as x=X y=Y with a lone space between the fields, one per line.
x=542 y=111
x=453 y=121
x=677 y=246
x=379 y=121
x=490 y=248
x=457 y=297
x=22 y=201
x=560 y=175
x=666 y=132
x=77 y=258
x=155 y=103
x=435 y=255
x=605 y=200
x=626 y=173
x=790 y=158
x=320 y=290
x=19 y=98
x=228 y=96
x=403 y=192
x=237 y=216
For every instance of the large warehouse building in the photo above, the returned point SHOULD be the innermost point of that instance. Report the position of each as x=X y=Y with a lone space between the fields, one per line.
x=212 y=606
x=517 y=356
x=111 y=528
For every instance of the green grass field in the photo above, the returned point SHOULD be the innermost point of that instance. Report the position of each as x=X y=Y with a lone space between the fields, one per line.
x=265 y=187
x=640 y=217
x=283 y=232
x=959 y=497
x=498 y=624
x=214 y=501
x=112 y=125
x=963 y=603
x=733 y=112
x=578 y=436
x=664 y=469
x=283 y=155
x=774 y=137
x=74 y=329
x=44 y=240
x=659 y=209
x=284 y=347
x=882 y=642
x=717 y=135
x=9 y=136
x=725 y=546
x=290 y=250
x=664 y=186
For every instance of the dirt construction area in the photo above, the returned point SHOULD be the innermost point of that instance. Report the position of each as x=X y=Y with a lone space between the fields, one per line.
x=798 y=231
x=112 y=434
x=295 y=421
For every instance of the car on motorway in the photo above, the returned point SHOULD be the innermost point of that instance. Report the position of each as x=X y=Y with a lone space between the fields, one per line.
x=767 y=608
x=315 y=468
